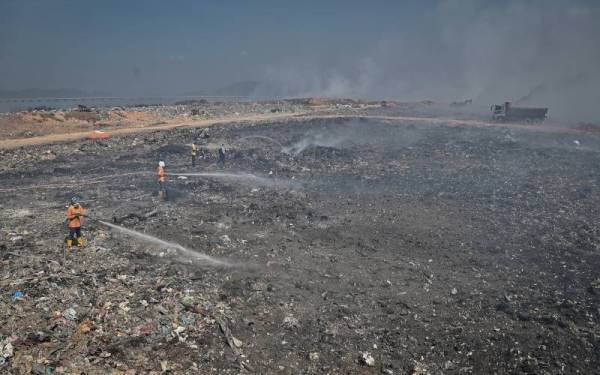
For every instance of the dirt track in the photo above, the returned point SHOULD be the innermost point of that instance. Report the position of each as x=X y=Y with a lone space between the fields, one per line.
x=433 y=249
x=55 y=138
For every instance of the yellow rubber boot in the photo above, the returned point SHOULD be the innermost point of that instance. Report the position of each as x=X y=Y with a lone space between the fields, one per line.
x=80 y=241
x=69 y=243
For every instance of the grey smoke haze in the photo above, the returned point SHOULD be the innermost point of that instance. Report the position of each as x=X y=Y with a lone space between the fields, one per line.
x=530 y=52
x=354 y=133
x=313 y=139
x=544 y=52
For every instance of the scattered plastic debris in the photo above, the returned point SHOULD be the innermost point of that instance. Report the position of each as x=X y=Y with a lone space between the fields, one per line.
x=17 y=295
x=70 y=314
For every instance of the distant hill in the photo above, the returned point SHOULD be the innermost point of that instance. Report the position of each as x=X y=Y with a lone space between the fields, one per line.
x=49 y=93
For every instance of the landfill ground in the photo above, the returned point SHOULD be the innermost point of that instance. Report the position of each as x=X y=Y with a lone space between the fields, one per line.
x=389 y=247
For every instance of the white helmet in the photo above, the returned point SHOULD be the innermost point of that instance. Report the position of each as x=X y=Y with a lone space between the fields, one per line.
x=161 y=164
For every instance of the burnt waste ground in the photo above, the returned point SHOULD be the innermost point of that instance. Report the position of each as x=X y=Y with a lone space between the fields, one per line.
x=370 y=247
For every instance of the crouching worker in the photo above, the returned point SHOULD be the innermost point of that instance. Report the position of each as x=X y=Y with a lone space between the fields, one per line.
x=74 y=214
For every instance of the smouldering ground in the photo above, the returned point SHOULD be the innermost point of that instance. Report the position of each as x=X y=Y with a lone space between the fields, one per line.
x=431 y=249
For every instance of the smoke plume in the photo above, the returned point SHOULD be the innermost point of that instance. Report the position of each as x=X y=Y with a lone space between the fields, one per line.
x=539 y=53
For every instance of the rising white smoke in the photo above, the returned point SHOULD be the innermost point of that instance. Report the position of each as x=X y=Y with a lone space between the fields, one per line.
x=540 y=52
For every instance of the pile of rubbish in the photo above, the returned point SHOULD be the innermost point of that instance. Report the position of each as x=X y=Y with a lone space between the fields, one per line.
x=372 y=247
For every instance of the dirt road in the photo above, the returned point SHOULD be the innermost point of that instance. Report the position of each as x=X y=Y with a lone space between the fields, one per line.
x=306 y=116
x=54 y=138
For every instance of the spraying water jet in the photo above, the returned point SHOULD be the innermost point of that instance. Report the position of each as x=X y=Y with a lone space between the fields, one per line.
x=201 y=257
x=244 y=177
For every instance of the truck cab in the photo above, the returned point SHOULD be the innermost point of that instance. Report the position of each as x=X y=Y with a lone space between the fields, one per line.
x=499 y=111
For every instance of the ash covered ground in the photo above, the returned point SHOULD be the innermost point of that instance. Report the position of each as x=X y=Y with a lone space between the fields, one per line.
x=373 y=247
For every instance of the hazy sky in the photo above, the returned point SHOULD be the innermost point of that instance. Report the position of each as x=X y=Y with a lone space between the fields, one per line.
x=441 y=50
x=173 y=46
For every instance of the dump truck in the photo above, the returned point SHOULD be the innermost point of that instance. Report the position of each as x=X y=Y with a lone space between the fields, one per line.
x=508 y=112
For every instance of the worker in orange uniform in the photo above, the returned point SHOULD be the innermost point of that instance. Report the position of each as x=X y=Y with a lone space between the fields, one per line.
x=161 y=175
x=74 y=214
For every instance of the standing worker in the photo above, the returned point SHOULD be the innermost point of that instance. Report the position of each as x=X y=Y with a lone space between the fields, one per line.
x=221 y=160
x=74 y=214
x=160 y=175
x=194 y=152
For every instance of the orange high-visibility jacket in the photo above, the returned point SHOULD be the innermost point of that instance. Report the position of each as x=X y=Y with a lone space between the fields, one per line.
x=74 y=221
x=160 y=173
